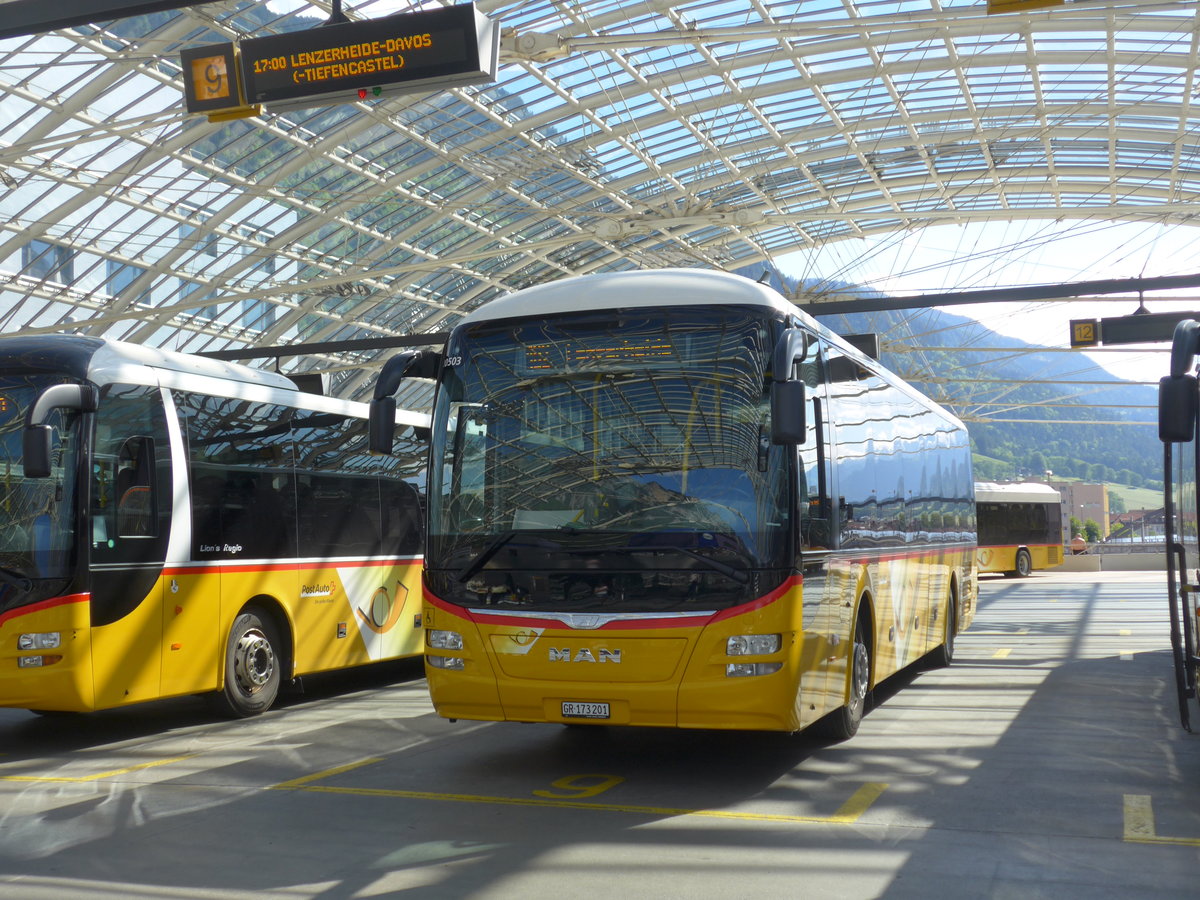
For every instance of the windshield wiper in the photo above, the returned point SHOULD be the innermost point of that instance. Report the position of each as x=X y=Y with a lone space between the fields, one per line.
x=715 y=564
x=16 y=578
x=484 y=555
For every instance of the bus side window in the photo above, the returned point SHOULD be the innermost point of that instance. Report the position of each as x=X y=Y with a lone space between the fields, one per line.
x=815 y=532
x=134 y=488
x=131 y=476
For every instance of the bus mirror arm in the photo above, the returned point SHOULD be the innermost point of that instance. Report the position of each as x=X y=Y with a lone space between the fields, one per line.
x=1185 y=344
x=787 y=390
x=382 y=416
x=37 y=438
x=1177 y=392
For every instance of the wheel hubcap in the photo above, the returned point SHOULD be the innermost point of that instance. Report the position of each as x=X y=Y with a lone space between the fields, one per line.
x=858 y=684
x=253 y=661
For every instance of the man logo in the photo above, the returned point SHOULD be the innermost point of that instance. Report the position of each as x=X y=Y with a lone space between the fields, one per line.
x=585 y=655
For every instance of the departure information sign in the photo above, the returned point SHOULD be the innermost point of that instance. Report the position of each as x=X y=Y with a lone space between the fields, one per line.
x=450 y=46
x=1138 y=328
x=421 y=51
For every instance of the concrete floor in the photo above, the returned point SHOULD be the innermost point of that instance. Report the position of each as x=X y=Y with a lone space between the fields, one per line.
x=1047 y=762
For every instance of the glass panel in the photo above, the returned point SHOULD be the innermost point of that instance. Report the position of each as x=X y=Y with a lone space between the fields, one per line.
x=243 y=492
x=642 y=433
x=37 y=515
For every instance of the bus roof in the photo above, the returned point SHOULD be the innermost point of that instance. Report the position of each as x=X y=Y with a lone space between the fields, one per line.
x=624 y=290
x=101 y=359
x=1022 y=492
x=656 y=288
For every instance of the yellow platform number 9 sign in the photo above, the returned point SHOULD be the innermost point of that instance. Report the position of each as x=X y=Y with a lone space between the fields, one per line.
x=210 y=78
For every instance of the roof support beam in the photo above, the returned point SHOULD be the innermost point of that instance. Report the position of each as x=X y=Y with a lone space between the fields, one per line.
x=22 y=17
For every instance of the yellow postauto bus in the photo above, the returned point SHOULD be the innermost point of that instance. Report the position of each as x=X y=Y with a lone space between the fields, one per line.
x=670 y=498
x=174 y=525
x=1020 y=527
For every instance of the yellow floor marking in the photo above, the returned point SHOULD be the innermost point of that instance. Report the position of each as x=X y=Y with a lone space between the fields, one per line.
x=1125 y=632
x=1002 y=653
x=1010 y=633
x=327 y=773
x=1139 y=823
x=849 y=812
x=80 y=779
x=1126 y=655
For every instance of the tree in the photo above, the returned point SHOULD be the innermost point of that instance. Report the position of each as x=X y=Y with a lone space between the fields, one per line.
x=1076 y=526
x=1116 y=503
x=1037 y=464
x=1091 y=531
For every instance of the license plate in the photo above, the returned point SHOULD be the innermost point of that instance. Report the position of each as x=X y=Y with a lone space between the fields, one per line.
x=574 y=710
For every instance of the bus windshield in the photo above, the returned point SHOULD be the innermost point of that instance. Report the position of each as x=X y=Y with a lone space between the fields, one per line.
x=36 y=514
x=630 y=443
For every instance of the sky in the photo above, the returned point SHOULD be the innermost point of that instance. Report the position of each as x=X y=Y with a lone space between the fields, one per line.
x=976 y=257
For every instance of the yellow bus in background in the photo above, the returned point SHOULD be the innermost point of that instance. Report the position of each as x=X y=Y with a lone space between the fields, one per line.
x=1020 y=527
x=670 y=498
x=173 y=525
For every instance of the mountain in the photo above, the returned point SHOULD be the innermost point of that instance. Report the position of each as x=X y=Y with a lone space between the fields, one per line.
x=1028 y=410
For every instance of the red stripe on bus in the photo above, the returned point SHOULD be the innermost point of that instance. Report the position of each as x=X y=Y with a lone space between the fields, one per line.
x=43 y=605
x=548 y=620
x=221 y=566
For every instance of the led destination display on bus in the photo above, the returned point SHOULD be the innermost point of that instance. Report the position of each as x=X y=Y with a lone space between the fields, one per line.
x=455 y=45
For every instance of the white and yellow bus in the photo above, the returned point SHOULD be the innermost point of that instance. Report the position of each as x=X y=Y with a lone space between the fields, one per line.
x=173 y=525
x=1020 y=527
x=670 y=498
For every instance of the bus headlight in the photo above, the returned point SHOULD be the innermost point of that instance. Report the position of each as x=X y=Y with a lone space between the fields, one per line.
x=741 y=670
x=444 y=640
x=33 y=662
x=753 y=644
x=45 y=640
x=455 y=663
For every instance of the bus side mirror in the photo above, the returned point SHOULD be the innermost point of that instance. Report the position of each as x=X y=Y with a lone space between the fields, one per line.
x=381 y=425
x=382 y=410
x=787 y=389
x=787 y=412
x=37 y=439
x=36 y=445
x=1177 y=408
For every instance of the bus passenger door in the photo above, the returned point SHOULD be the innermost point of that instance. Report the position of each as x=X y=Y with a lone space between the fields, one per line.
x=818 y=540
x=130 y=521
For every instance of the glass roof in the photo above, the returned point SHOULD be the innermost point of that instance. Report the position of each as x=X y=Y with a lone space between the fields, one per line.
x=618 y=134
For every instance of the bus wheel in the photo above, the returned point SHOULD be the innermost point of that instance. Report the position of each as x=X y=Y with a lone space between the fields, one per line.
x=252 y=666
x=1024 y=564
x=943 y=655
x=842 y=724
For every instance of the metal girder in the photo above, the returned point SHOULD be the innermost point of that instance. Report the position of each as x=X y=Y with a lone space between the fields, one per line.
x=23 y=17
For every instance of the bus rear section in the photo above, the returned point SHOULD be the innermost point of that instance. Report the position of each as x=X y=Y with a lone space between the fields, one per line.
x=1020 y=527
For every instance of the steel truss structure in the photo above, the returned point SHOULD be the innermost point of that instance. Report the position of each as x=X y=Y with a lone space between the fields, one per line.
x=619 y=133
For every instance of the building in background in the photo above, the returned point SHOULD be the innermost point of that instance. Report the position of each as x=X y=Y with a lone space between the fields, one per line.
x=1083 y=501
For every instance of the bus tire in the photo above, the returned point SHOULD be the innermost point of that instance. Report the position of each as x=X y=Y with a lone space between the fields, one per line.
x=943 y=655
x=842 y=724
x=1024 y=565
x=253 y=665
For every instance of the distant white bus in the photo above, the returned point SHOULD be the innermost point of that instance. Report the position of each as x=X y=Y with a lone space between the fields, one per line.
x=1020 y=527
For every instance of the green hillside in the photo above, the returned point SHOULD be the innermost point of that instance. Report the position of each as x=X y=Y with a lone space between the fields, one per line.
x=1031 y=412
